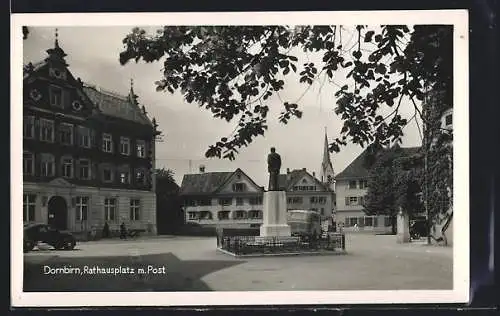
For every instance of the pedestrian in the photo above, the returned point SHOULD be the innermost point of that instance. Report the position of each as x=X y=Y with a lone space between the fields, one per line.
x=105 y=230
x=356 y=228
x=123 y=231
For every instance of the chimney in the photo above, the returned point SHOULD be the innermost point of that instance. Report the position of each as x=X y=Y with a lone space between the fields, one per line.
x=202 y=169
x=287 y=170
x=303 y=169
x=314 y=174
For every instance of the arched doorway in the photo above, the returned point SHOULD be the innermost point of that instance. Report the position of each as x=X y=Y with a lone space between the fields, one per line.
x=58 y=213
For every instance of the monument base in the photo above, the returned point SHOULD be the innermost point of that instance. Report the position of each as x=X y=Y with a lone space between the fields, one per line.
x=275 y=230
x=275 y=215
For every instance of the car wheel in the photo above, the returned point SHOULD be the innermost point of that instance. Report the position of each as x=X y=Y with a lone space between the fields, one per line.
x=69 y=244
x=28 y=246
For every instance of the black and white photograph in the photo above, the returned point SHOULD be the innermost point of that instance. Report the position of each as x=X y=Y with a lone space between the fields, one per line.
x=240 y=158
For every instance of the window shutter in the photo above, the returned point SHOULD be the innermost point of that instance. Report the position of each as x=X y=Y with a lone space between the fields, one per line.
x=346 y=200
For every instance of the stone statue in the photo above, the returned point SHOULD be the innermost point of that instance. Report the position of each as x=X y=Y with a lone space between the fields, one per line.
x=273 y=166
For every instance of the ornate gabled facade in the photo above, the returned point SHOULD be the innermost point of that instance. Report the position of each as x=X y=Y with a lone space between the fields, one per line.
x=88 y=154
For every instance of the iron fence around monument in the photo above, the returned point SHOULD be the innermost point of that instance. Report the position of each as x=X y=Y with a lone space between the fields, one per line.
x=246 y=245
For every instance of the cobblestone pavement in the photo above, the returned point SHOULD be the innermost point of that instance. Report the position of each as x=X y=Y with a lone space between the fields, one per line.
x=193 y=264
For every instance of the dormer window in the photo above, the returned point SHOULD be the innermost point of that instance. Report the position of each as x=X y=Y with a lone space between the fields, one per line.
x=56 y=97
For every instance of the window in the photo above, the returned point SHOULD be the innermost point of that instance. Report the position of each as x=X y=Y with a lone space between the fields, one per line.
x=141 y=148
x=239 y=201
x=84 y=136
x=255 y=200
x=107 y=174
x=318 y=199
x=205 y=202
x=124 y=177
x=363 y=184
x=368 y=221
x=225 y=201
x=295 y=200
x=192 y=215
x=351 y=221
x=140 y=176
x=29 y=203
x=448 y=120
x=351 y=200
x=124 y=146
x=107 y=143
x=255 y=214
x=352 y=184
x=322 y=211
x=67 y=167
x=56 y=97
x=66 y=134
x=46 y=130
x=29 y=127
x=135 y=209
x=109 y=209
x=223 y=215
x=238 y=187
x=240 y=215
x=206 y=215
x=82 y=208
x=47 y=165
x=28 y=163
x=84 y=169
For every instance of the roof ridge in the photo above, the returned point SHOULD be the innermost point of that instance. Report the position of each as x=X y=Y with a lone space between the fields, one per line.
x=105 y=91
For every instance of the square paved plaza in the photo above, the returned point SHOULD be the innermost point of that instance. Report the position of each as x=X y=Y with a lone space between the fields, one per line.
x=173 y=263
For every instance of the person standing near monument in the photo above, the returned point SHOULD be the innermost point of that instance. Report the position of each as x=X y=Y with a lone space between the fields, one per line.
x=273 y=166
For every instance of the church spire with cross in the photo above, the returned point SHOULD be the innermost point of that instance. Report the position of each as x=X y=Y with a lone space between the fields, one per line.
x=327 y=174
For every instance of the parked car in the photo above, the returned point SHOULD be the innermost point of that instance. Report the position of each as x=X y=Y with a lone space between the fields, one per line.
x=35 y=233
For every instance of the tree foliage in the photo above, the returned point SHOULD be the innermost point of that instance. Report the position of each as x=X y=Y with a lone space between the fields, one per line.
x=395 y=181
x=235 y=71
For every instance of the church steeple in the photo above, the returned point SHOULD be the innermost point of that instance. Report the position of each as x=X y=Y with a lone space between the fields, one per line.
x=327 y=173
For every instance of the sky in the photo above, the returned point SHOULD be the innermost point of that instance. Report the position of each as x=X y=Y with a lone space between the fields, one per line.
x=188 y=130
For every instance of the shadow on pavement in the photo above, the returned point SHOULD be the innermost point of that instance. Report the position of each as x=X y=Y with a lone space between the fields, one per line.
x=179 y=275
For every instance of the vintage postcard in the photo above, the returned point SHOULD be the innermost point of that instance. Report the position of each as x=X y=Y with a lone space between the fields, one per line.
x=189 y=159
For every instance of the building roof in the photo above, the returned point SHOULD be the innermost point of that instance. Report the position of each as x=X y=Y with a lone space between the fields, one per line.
x=286 y=181
x=357 y=168
x=109 y=103
x=116 y=105
x=203 y=183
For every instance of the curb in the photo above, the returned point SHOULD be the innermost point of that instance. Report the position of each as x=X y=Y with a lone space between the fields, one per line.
x=285 y=254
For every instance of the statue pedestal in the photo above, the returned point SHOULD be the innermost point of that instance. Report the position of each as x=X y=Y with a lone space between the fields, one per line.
x=403 y=228
x=275 y=215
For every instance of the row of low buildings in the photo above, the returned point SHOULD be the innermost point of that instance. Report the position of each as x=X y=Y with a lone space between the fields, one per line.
x=88 y=154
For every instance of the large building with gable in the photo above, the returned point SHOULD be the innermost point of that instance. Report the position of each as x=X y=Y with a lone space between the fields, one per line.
x=351 y=189
x=223 y=199
x=88 y=154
